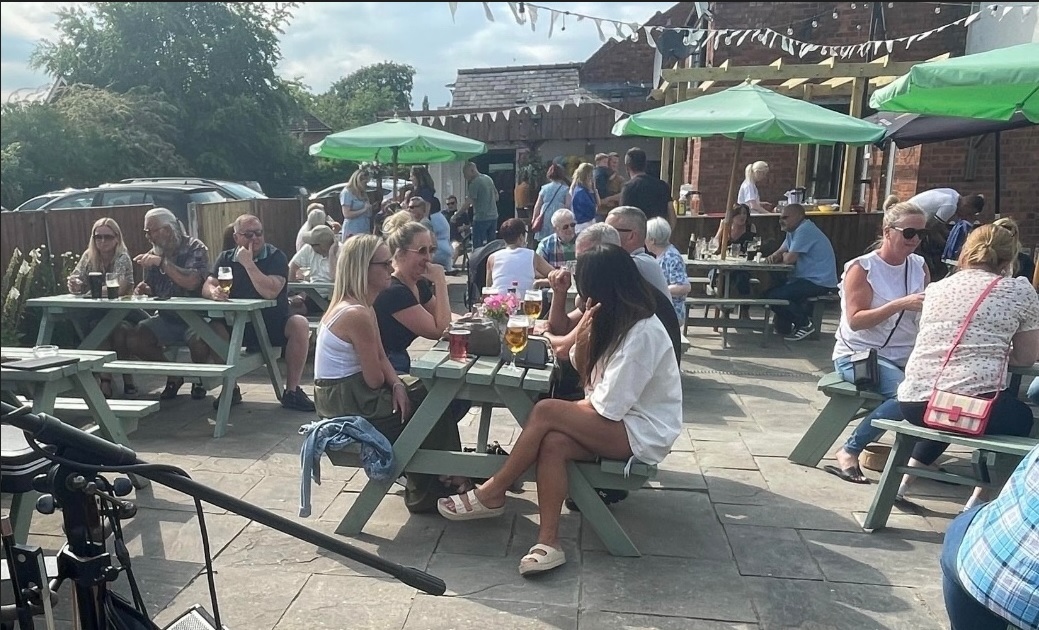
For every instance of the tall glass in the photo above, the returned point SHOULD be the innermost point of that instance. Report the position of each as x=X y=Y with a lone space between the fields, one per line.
x=532 y=304
x=516 y=334
x=304 y=273
x=112 y=284
x=225 y=278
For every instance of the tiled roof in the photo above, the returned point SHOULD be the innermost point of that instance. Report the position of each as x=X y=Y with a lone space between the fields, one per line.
x=513 y=86
x=308 y=123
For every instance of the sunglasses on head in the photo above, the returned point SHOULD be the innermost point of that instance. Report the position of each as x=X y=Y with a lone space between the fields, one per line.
x=910 y=233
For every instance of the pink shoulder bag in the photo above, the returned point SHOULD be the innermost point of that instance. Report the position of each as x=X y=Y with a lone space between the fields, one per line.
x=959 y=413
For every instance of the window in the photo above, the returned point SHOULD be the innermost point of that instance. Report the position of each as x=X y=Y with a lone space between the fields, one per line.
x=122 y=198
x=81 y=200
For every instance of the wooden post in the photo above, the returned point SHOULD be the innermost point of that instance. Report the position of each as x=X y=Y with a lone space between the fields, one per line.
x=733 y=179
x=801 y=179
x=666 y=144
x=848 y=177
x=680 y=148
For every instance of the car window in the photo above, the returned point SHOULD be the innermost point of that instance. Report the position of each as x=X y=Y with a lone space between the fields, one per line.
x=35 y=202
x=169 y=200
x=81 y=200
x=122 y=198
x=242 y=191
x=208 y=196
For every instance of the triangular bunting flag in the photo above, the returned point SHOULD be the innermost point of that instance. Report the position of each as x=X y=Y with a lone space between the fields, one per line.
x=970 y=19
x=479 y=116
x=1006 y=10
x=505 y=114
x=743 y=36
x=454 y=7
x=1025 y=10
x=598 y=27
x=890 y=45
x=487 y=11
x=467 y=117
x=515 y=13
x=552 y=22
x=617 y=115
x=442 y=119
x=649 y=37
x=494 y=116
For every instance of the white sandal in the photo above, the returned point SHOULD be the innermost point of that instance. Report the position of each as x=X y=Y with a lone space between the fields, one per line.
x=475 y=509
x=541 y=562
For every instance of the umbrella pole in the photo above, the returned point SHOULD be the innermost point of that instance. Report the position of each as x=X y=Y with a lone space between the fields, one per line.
x=732 y=191
x=998 y=178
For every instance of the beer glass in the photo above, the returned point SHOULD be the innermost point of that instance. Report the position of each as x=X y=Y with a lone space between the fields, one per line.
x=96 y=280
x=532 y=304
x=304 y=272
x=112 y=284
x=225 y=278
x=516 y=334
x=458 y=340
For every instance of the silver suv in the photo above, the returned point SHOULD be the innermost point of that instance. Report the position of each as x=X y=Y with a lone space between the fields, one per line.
x=233 y=190
x=174 y=196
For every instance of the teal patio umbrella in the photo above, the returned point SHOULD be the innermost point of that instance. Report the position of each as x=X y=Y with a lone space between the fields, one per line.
x=993 y=85
x=397 y=141
x=753 y=113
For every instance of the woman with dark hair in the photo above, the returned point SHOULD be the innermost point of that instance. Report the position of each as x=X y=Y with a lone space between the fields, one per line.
x=632 y=408
x=741 y=232
x=554 y=195
x=516 y=263
x=422 y=186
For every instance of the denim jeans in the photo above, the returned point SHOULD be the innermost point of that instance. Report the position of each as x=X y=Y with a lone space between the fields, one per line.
x=965 y=612
x=484 y=231
x=890 y=377
x=798 y=313
x=1010 y=416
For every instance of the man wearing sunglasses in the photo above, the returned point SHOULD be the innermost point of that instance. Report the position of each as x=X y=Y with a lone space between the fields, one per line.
x=815 y=272
x=260 y=271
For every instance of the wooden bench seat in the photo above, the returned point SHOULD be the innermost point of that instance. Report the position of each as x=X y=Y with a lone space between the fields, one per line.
x=128 y=411
x=725 y=322
x=167 y=368
x=819 y=303
x=846 y=403
x=994 y=459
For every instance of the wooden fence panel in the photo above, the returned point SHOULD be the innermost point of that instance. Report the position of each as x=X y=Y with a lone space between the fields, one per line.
x=281 y=219
x=23 y=230
x=69 y=229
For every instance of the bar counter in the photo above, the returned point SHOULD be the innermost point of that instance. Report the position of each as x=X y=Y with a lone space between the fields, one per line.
x=851 y=233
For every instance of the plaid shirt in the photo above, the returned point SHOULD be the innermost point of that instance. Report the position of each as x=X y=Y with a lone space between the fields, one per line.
x=193 y=255
x=998 y=560
x=556 y=252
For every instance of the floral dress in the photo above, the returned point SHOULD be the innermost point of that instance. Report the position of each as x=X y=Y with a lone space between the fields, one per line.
x=673 y=266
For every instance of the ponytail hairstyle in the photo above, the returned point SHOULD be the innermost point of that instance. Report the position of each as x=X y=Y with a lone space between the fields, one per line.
x=1010 y=225
x=989 y=247
x=756 y=167
x=889 y=201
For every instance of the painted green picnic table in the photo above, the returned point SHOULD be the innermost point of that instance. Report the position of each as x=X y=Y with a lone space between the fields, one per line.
x=237 y=313
x=487 y=382
x=316 y=291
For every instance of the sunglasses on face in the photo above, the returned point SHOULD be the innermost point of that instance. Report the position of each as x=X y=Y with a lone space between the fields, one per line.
x=910 y=233
x=385 y=264
x=422 y=251
x=251 y=233
x=105 y=237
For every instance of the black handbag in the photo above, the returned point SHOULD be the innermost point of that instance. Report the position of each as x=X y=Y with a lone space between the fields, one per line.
x=484 y=337
x=865 y=365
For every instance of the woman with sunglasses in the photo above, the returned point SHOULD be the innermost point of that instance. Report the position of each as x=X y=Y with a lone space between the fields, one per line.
x=416 y=303
x=882 y=294
x=106 y=253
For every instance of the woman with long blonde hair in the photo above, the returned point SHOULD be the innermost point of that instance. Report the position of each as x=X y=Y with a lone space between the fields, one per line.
x=584 y=197
x=753 y=175
x=357 y=211
x=106 y=253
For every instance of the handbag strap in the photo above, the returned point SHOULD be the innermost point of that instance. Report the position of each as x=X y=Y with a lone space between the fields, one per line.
x=963 y=329
x=900 y=315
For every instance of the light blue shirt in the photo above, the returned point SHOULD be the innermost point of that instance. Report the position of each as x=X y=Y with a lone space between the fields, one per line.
x=816 y=262
x=442 y=232
x=357 y=225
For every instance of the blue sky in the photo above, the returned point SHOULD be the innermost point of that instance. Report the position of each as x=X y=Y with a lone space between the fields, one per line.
x=325 y=42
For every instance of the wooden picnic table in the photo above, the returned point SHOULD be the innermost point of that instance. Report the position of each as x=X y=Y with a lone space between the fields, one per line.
x=487 y=382
x=319 y=292
x=237 y=313
x=46 y=384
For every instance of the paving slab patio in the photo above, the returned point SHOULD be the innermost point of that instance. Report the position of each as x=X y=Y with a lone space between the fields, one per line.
x=733 y=535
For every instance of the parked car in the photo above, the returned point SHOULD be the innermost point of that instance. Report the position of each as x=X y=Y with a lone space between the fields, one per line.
x=335 y=190
x=233 y=190
x=36 y=202
x=174 y=196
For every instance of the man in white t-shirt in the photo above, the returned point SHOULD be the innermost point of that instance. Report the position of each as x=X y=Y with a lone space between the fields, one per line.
x=318 y=254
x=946 y=204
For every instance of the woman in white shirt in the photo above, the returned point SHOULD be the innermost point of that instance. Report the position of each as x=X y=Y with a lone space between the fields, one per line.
x=882 y=293
x=517 y=262
x=632 y=408
x=753 y=175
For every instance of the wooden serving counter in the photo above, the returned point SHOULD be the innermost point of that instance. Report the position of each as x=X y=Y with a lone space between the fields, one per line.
x=851 y=233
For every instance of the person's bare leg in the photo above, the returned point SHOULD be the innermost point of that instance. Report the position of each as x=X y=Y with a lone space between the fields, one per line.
x=297 y=345
x=578 y=420
x=556 y=450
x=122 y=351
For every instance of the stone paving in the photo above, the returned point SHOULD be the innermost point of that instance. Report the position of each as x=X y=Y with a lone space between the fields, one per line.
x=733 y=535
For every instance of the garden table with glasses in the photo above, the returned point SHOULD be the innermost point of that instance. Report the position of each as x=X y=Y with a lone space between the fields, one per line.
x=487 y=381
x=237 y=313
x=725 y=304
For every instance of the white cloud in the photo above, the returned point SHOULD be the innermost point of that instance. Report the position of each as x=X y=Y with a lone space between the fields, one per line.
x=327 y=41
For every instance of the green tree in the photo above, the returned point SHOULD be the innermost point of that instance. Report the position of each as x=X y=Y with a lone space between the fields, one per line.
x=358 y=98
x=213 y=61
x=86 y=137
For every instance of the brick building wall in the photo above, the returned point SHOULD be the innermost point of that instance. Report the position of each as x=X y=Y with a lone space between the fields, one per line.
x=709 y=161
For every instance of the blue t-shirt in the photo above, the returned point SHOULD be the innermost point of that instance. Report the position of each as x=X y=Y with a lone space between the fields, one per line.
x=357 y=225
x=442 y=233
x=583 y=205
x=816 y=262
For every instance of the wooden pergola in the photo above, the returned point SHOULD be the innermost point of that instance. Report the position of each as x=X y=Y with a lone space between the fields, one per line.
x=826 y=79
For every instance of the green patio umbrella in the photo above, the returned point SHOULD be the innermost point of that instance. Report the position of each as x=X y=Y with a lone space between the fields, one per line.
x=992 y=85
x=753 y=113
x=398 y=141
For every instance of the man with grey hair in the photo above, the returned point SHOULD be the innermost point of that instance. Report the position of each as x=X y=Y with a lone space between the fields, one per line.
x=630 y=222
x=558 y=247
x=176 y=266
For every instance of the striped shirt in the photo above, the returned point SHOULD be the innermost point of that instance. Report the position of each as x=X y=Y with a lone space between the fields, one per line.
x=998 y=560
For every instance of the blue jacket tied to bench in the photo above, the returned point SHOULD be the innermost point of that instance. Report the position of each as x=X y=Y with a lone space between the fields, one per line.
x=335 y=434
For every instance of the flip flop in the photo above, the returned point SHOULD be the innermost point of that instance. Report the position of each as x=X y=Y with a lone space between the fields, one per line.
x=851 y=474
x=540 y=562
x=476 y=510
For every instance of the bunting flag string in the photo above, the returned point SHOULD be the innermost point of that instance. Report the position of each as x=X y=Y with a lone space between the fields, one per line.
x=505 y=114
x=524 y=12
